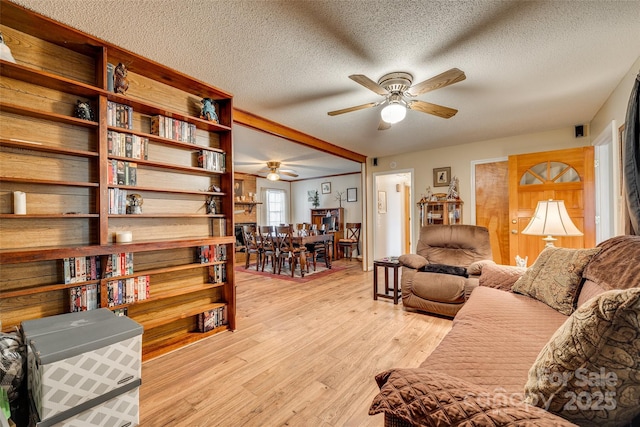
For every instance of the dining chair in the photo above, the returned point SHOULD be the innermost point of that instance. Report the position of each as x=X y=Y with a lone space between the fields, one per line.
x=286 y=251
x=267 y=236
x=351 y=239
x=251 y=246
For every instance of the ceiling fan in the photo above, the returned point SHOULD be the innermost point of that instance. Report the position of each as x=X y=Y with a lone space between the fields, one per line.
x=397 y=91
x=274 y=171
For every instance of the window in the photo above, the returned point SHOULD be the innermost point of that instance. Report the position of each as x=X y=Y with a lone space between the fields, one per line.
x=556 y=172
x=276 y=207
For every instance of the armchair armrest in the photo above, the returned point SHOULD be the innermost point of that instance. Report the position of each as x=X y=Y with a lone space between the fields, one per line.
x=414 y=261
x=500 y=276
x=423 y=397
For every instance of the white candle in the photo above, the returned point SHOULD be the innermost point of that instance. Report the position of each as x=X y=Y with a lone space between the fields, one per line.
x=124 y=237
x=19 y=203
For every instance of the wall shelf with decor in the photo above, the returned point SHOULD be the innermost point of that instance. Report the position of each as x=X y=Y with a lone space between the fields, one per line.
x=446 y=212
x=248 y=206
x=68 y=168
x=317 y=215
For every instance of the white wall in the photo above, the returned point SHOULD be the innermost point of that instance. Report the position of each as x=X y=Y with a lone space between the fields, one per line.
x=615 y=108
x=301 y=207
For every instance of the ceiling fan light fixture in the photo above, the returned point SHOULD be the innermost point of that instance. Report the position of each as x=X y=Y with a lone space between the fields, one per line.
x=393 y=113
x=272 y=176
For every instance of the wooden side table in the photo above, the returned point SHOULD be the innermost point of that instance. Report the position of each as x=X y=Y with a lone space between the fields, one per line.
x=386 y=263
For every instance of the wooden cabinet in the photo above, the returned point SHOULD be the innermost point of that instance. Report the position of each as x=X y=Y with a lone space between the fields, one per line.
x=317 y=216
x=444 y=213
x=69 y=169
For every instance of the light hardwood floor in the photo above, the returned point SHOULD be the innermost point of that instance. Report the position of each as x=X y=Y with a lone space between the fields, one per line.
x=302 y=355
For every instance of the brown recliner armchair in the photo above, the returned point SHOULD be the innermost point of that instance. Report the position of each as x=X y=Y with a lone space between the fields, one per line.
x=433 y=279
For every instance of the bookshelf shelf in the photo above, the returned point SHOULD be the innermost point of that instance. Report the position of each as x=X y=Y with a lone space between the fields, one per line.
x=63 y=165
x=60 y=118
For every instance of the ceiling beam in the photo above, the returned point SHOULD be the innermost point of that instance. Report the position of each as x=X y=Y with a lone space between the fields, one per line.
x=250 y=120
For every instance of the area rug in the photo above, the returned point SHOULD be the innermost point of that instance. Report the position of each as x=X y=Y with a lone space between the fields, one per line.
x=321 y=272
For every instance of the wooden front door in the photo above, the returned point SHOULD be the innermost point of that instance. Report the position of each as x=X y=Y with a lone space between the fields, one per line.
x=492 y=206
x=560 y=175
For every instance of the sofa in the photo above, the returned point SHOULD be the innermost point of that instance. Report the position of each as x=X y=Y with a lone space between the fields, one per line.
x=557 y=344
x=437 y=279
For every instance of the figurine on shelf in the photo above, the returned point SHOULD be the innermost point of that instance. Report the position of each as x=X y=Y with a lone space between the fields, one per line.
x=208 y=111
x=120 y=80
x=5 y=52
x=83 y=110
x=452 y=193
x=134 y=204
x=212 y=209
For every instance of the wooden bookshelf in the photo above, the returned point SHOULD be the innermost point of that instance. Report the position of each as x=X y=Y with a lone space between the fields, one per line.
x=62 y=163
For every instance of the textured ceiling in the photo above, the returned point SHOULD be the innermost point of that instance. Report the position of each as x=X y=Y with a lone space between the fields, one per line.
x=530 y=66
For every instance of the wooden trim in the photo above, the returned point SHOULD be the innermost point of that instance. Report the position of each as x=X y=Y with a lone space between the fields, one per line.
x=253 y=121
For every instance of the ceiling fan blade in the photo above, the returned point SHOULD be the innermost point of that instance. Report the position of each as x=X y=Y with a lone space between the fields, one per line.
x=436 y=110
x=447 y=78
x=282 y=172
x=384 y=125
x=350 y=109
x=369 y=84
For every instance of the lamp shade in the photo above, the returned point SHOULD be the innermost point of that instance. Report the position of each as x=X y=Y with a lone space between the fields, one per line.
x=272 y=176
x=393 y=113
x=551 y=219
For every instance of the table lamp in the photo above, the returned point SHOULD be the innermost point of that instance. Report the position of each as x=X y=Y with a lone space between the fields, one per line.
x=551 y=219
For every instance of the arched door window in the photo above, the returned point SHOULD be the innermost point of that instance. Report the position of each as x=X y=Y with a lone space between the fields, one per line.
x=549 y=172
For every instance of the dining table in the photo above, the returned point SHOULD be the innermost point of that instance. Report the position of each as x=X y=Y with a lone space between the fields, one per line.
x=327 y=239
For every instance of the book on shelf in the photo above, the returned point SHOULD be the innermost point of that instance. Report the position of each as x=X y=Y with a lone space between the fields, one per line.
x=218 y=273
x=127 y=145
x=124 y=311
x=84 y=297
x=122 y=173
x=218 y=227
x=119 y=264
x=175 y=129
x=211 y=253
x=211 y=319
x=81 y=269
x=212 y=160
x=128 y=290
x=110 y=70
x=117 y=201
x=119 y=115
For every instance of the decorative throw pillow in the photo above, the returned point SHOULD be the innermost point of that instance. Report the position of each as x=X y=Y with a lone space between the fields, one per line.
x=413 y=261
x=445 y=269
x=589 y=371
x=555 y=277
x=427 y=398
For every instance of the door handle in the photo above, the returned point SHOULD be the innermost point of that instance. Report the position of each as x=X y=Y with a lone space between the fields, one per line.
x=514 y=231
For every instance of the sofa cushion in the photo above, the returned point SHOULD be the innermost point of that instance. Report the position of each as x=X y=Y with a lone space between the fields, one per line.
x=555 y=277
x=439 y=287
x=495 y=339
x=616 y=265
x=427 y=398
x=500 y=276
x=476 y=267
x=413 y=261
x=589 y=371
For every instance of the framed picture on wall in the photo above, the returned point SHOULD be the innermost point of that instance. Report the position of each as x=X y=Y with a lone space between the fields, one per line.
x=382 y=202
x=326 y=187
x=352 y=194
x=441 y=177
x=238 y=189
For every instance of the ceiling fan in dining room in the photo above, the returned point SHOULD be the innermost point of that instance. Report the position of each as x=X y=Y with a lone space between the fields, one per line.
x=397 y=90
x=273 y=171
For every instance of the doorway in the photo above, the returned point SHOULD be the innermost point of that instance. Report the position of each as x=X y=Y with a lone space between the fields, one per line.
x=393 y=213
